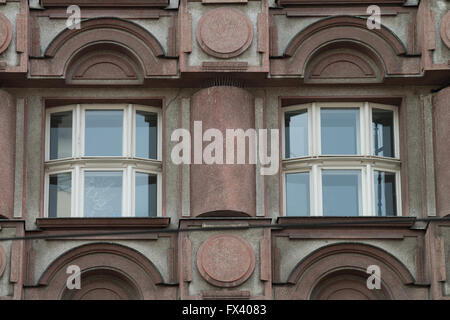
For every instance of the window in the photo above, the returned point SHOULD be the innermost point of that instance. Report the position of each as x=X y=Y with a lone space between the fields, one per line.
x=103 y=161
x=341 y=159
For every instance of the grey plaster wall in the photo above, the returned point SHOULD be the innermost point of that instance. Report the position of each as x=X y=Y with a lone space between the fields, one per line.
x=429 y=156
x=444 y=232
x=33 y=136
x=6 y=287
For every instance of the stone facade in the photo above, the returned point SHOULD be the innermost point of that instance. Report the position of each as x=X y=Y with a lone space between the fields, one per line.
x=229 y=64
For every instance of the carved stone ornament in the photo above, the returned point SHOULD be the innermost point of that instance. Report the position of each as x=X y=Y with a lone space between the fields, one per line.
x=5 y=33
x=226 y=260
x=445 y=29
x=224 y=32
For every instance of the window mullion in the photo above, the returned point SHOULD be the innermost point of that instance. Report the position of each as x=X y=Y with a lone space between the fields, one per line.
x=396 y=133
x=77 y=192
x=316 y=130
x=368 y=129
x=159 y=198
x=316 y=208
x=133 y=132
x=47 y=136
x=368 y=195
x=81 y=130
x=128 y=192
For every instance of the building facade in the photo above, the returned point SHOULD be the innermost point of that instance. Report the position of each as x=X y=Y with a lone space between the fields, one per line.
x=225 y=149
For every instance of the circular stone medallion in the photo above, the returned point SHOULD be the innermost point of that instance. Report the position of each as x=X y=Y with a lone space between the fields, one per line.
x=445 y=29
x=226 y=260
x=5 y=32
x=224 y=32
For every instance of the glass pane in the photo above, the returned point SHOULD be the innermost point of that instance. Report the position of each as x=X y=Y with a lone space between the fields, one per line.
x=340 y=130
x=146 y=195
x=61 y=135
x=60 y=193
x=297 y=194
x=385 y=193
x=296 y=133
x=341 y=192
x=104 y=131
x=383 y=132
x=103 y=193
x=146 y=134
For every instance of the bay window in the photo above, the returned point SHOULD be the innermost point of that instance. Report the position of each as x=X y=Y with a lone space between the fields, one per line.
x=103 y=161
x=341 y=159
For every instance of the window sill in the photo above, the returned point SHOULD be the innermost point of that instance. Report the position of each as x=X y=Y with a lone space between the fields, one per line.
x=102 y=223
x=328 y=222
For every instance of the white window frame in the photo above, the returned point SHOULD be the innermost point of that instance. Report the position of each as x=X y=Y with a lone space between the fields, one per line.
x=365 y=161
x=128 y=163
x=49 y=112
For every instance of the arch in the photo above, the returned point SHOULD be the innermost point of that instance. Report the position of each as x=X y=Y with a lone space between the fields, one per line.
x=344 y=62
x=349 y=258
x=123 y=262
x=101 y=23
x=342 y=31
x=108 y=284
x=347 y=285
x=341 y=21
x=224 y=213
x=138 y=43
x=104 y=64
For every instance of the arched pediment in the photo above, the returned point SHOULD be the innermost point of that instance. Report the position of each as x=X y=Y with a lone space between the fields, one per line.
x=135 y=43
x=101 y=256
x=349 y=257
x=346 y=32
x=344 y=62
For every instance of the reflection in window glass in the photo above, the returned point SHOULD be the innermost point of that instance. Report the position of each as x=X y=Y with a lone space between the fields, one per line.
x=340 y=130
x=146 y=134
x=383 y=132
x=385 y=193
x=104 y=132
x=60 y=135
x=297 y=194
x=341 y=192
x=103 y=193
x=296 y=133
x=60 y=193
x=146 y=195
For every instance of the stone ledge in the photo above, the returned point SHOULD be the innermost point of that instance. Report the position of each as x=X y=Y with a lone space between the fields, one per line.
x=96 y=223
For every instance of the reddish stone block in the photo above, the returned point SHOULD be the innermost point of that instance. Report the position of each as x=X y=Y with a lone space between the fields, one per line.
x=442 y=163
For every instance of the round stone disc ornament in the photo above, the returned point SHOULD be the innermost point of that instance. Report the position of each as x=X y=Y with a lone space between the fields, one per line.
x=445 y=29
x=224 y=32
x=226 y=260
x=5 y=33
